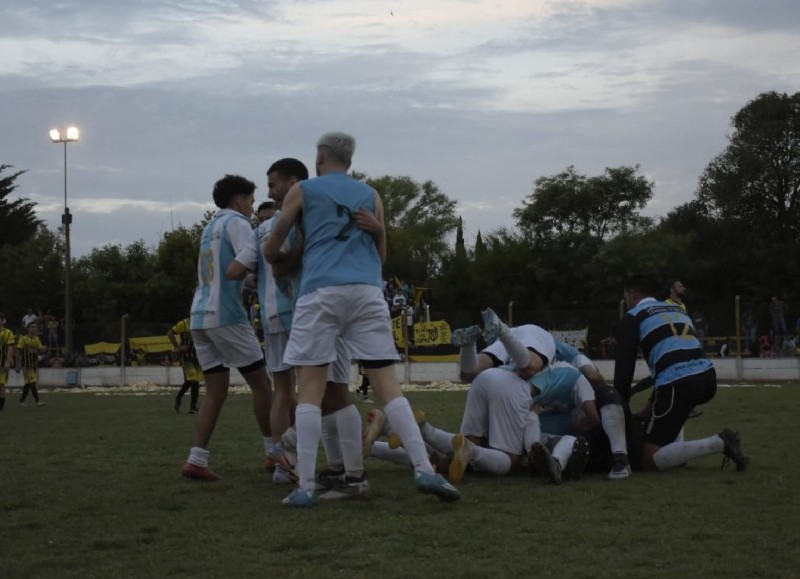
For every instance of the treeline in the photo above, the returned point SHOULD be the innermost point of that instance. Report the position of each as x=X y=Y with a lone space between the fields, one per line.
x=575 y=239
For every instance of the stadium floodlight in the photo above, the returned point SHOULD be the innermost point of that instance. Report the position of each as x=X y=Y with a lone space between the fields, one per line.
x=71 y=135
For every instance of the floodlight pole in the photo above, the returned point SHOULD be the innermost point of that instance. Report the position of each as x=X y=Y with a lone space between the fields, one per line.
x=66 y=219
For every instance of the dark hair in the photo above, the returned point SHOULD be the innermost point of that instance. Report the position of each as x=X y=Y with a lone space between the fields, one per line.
x=289 y=167
x=643 y=284
x=229 y=187
x=266 y=205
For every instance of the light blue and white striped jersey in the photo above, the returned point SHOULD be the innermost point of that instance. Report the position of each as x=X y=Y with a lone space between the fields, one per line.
x=218 y=300
x=336 y=251
x=276 y=300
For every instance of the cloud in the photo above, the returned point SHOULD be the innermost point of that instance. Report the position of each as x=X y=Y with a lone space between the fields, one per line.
x=482 y=98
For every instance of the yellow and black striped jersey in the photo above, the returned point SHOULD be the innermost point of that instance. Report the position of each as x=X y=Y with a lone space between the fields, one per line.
x=184 y=332
x=7 y=340
x=28 y=349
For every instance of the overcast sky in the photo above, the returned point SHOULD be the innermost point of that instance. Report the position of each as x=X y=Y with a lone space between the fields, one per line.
x=482 y=97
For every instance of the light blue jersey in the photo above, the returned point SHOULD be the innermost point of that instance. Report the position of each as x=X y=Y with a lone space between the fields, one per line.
x=218 y=300
x=559 y=395
x=565 y=352
x=336 y=251
x=276 y=299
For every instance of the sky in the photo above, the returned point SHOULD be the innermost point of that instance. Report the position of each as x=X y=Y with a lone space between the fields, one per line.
x=481 y=97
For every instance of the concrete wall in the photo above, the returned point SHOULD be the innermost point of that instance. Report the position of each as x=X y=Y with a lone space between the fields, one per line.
x=728 y=369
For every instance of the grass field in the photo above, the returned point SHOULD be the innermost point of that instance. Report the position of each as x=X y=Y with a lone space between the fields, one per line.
x=91 y=487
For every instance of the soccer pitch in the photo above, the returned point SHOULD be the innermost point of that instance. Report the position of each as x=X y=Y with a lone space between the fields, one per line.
x=91 y=487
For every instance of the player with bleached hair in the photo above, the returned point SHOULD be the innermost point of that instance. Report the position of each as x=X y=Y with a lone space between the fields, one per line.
x=341 y=296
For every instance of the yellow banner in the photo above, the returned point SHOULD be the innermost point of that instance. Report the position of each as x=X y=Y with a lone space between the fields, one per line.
x=151 y=344
x=425 y=333
x=101 y=348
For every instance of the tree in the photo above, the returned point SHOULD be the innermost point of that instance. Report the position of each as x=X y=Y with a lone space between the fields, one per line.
x=172 y=284
x=756 y=180
x=419 y=218
x=598 y=207
x=32 y=275
x=18 y=222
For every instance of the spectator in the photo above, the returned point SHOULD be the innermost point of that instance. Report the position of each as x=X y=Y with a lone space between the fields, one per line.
x=398 y=303
x=677 y=293
x=750 y=329
x=51 y=326
x=700 y=327
x=777 y=309
x=766 y=345
x=28 y=318
x=788 y=348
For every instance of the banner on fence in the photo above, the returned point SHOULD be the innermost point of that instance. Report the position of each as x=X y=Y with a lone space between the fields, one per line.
x=425 y=333
x=575 y=338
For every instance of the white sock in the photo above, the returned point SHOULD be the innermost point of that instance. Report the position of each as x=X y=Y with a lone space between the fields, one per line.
x=563 y=450
x=348 y=423
x=468 y=358
x=381 y=450
x=680 y=437
x=330 y=442
x=437 y=438
x=678 y=453
x=399 y=415
x=613 y=419
x=532 y=431
x=289 y=440
x=198 y=456
x=490 y=460
x=308 y=420
x=267 y=444
x=518 y=353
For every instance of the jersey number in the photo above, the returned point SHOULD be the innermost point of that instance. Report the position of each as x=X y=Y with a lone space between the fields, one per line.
x=351 y=221
x=207 y=266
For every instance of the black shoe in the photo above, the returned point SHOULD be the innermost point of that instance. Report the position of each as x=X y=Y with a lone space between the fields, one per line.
x=193 y=411
x=329 y=479
x=545 y=463
x=621 y=467
x=578 y=460
x=733 y=450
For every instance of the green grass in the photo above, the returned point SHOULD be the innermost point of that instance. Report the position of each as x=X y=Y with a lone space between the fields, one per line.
x=90 y=486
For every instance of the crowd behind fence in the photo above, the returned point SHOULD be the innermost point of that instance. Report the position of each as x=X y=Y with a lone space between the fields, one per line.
x=720 y=327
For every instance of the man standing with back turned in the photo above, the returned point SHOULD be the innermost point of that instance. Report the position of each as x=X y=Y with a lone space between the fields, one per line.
x=341 y=296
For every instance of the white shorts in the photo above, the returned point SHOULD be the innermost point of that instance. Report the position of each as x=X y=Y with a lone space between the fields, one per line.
x=356 y=313
x=274 y=348
x=230 y=346
x=498 y=402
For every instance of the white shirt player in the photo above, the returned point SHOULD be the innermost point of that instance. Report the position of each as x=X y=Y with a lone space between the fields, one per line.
x=531 y=336
x=218 y=300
